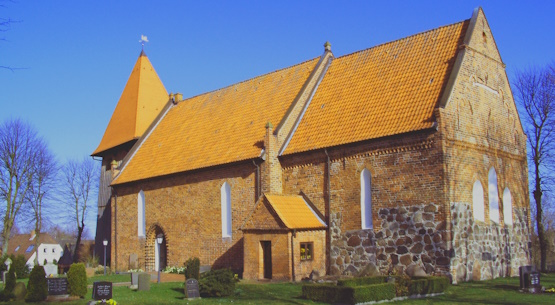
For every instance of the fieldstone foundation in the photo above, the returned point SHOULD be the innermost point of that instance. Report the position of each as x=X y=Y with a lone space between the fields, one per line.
x=486 y=251
x=410 y=237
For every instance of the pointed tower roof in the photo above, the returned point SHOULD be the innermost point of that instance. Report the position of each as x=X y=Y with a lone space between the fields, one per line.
x=141 y=101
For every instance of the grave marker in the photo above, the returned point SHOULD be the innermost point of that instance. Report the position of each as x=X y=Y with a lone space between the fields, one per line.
x=102 y=291
x=192 y=289
x=57 y=285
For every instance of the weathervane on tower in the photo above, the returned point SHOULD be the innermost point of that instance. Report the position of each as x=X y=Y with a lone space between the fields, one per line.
x=143 y=41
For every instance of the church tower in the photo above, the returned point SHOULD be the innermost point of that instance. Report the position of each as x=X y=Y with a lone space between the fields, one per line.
x=141 y=101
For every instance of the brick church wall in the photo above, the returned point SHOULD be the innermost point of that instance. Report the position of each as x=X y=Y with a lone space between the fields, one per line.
x=481 y=130
x=187 y=209
x=408 y=203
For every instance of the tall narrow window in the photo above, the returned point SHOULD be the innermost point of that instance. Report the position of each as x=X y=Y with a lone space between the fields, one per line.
x=141 y=214
x=507 y=207
x=226 y=210
x=478 y=201
x=365 y=199
x=493 y=196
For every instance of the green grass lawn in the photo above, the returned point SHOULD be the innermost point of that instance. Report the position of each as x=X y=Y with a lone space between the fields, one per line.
x=498 y=291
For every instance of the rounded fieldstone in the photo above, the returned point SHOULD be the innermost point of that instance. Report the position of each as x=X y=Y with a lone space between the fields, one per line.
x=402 y=250
x=353 y=241
x=394 y=259
x=417 y=248
x=405 y=259
x=430 y=208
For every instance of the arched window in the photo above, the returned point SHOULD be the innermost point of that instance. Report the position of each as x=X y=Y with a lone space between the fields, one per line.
x=478 y=201
x=365 y=199
x=507 y=207
x=493 y=196
x=226 y=210
x=141 y=214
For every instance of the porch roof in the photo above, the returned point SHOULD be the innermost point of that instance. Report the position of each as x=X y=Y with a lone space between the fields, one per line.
x=294 y=212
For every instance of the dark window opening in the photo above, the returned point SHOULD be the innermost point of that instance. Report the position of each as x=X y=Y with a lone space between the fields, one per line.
x=307 y=251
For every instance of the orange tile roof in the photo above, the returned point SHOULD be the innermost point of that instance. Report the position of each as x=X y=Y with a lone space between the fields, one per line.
x=389 y=89
x=295 y=212
x=218 y=127
x=141 y=101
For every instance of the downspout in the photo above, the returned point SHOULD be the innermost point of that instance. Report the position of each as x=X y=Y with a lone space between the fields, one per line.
x=293 y=234
x=257 y=187
x=328 y=208
x=115 y=242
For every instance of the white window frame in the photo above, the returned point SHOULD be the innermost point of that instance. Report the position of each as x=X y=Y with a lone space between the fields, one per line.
x=366 y=199
x=507 y=207
x=493 y=196
x=478 y=208
x=141 y=217
x=226 y=210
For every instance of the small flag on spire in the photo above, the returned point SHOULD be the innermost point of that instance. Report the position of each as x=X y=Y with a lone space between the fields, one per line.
x=143 y=40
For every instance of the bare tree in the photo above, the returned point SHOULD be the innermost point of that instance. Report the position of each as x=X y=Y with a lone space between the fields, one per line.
x=42 y=188
x=535 y=93
x=80 y=179
x=18 y=159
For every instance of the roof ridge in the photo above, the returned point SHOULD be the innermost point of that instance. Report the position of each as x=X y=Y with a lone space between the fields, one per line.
x=249 y=79
x=402 y=38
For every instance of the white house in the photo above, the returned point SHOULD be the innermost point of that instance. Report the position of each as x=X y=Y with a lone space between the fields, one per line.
x=49 y=251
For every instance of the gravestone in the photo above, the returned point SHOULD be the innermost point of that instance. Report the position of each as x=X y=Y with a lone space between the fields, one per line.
x=102 y=291
x=144 y=281
x=57 y=285
x=133 y=261
x=191 y=289
x=522 y=272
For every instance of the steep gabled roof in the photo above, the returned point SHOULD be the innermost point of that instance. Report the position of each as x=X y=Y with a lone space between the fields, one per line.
x=20 y=244
x=389 y=89
x=141 y=101
x=223 y=126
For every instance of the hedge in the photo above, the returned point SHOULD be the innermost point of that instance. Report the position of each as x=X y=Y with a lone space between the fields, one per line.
x=347 y=294
x=435 y=284
x=362 y=281
x=356 y=290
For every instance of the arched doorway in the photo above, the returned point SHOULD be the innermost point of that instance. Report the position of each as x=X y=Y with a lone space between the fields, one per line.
x=156 y=254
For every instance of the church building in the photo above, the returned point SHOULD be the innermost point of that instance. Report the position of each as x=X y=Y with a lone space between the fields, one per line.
x=407 y=155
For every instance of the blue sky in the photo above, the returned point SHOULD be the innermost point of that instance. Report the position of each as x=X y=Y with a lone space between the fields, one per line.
x=77 y=55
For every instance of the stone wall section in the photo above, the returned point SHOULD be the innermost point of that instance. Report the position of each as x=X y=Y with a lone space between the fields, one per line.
x=409 y=236
x=486 y=251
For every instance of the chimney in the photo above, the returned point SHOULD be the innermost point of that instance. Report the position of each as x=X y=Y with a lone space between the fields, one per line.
x=178 y=97
x=327 y=46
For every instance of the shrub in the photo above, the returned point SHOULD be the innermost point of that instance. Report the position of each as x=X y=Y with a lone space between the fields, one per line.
x=376 y=292
x=192 y=268
x=348 y=294
x=328 y=293
x=37 y=287
x=217 y=283
x=19 y=264
x=77 y=280
x=19 y=291
x=100 y=270
x=7 y=293
x=427 y=285
x=361 y=281
x=402 y=284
